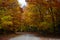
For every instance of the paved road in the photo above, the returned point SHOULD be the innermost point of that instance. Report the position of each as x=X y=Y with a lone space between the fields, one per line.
x=31 y=37
x=25 y=36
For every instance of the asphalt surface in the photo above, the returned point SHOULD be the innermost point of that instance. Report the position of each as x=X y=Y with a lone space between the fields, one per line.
x=31 y=37
x=26 y=36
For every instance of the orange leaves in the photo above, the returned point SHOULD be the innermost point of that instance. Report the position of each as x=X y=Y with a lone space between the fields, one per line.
x=39 y=14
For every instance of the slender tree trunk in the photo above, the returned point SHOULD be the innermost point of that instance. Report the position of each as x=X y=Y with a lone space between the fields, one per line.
x=52 y=14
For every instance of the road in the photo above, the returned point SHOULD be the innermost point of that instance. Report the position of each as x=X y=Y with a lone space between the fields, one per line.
x=26 y=36
x=31 y=37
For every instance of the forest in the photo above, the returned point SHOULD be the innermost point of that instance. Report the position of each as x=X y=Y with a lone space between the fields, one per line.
x=38 y=16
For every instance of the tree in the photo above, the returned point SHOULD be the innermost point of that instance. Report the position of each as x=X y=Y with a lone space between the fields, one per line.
x=10 y=15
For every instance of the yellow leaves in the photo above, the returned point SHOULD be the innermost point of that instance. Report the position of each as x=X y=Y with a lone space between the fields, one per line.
x=34 y=15
x=7 y=23
x=45 y=1
x=27 y=17
x=10 y=1
x=6 y=18
x=11 y=17
x=0 y=1
x=18 y=8
x=16 y=22
x=45 y=25
x=48 y=16
x=31 y=14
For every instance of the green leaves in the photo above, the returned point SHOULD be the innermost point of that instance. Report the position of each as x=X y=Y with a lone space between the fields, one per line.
x=6 y=18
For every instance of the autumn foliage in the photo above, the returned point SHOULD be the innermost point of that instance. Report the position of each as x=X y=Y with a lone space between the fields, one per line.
x=40 y=15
